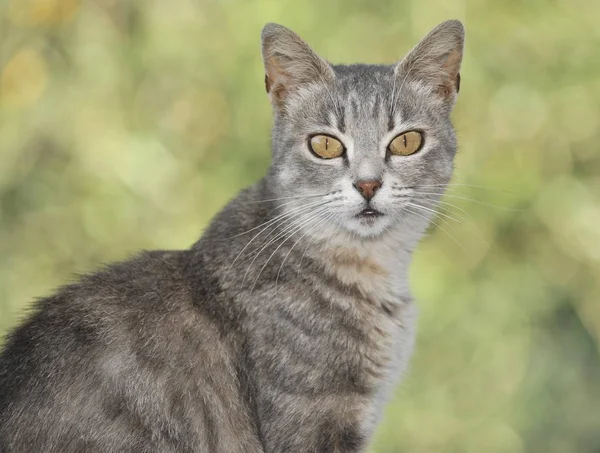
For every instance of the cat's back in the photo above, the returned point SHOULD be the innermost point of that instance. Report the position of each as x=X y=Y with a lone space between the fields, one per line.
x=110 y=358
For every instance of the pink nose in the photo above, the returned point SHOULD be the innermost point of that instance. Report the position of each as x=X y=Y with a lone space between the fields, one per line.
x=368 y=188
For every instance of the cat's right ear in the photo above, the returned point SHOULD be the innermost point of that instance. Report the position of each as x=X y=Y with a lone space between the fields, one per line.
x=289 y=64
x=435 y=61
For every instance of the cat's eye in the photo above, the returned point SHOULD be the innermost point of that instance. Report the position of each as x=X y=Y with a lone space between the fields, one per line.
x=326 y=147
x=406 y=144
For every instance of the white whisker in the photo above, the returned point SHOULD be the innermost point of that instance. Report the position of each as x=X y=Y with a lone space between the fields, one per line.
x=437 y=226
x=292 y=224
x=284 y=214
x=469 y=199
x=298 y=227
x=435 y=212
x=289 y=198
x=327 y=217
x=278 y=220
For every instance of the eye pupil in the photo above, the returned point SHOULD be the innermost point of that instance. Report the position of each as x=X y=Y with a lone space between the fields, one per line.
x=326 y=143
x=404 y=137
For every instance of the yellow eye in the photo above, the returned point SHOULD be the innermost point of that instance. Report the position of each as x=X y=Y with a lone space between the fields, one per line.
x=326 y=147
x=406 y=144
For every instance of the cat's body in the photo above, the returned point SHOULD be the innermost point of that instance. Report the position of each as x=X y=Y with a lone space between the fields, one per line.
x=227 y=369
x=277 y=332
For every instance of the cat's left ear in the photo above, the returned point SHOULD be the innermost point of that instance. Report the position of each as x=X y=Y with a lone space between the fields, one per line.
x=289 y=64
x=436 y=60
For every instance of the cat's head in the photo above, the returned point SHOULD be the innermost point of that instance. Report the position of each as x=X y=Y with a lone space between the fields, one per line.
x=365 y=149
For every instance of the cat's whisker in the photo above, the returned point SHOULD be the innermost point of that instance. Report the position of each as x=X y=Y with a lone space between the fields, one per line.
x=469 y=199
x=277 y=220
x=289 y=198
x=415 y=185
x=470 y=221
x=445 y=203
x=435 y=212
x=311 y=240
x=297 y=227
x=292 y=223
x=449 y=186
x=434 y=203
x=274 y=219
x=436 y=215
x=295 y=201
x=456 y=184
x=323 y=220
x=276 y=228
x=436 y=225
x=282 y=216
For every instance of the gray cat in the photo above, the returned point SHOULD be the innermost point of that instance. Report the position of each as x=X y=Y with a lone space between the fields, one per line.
x=286 y=326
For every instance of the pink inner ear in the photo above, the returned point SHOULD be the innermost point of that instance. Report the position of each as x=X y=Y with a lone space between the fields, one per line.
x=452 y=64
x=452 y=77
x=277 y=81
x=275 y=70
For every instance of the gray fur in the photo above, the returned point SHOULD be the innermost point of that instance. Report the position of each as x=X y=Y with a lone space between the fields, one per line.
x=286 y=326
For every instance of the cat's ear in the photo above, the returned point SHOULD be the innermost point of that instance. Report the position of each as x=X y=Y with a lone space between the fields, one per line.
x=435 y=61
x=289 y=63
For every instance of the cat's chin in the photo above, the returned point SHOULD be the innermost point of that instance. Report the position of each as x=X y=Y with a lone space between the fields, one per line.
x=369 y=225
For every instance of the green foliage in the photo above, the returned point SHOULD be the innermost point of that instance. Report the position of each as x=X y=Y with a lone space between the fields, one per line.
x=126 y=124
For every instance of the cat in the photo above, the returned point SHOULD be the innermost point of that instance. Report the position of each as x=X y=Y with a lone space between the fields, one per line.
x=287 y=325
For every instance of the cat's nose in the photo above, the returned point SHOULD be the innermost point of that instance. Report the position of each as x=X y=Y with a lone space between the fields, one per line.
x=368 y=188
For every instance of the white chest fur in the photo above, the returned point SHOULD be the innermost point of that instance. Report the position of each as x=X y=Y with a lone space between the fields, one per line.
x=380 y=271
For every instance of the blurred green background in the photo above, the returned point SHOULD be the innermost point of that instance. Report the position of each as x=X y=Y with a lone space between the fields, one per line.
x=128 y=124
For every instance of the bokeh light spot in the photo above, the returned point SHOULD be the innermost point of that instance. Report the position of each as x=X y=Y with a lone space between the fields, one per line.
x=23 y=79
x=42 y=12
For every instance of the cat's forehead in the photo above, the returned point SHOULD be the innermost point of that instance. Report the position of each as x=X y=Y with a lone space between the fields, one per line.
x=364 y=95
x=363 y=99
x=367 y=83
x=363 y=75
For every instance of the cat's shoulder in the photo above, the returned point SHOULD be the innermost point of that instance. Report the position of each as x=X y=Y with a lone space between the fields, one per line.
x=134 y=293
x=158 y=271
x=146 y=278
x=141 y=303
x=133 y=316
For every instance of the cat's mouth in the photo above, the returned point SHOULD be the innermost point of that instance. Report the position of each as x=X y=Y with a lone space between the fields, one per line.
x=369 y=213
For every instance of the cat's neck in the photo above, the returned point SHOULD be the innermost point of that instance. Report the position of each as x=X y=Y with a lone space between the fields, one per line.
x=378 y=267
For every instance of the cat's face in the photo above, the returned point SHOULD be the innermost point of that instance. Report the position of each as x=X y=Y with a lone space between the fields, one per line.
x=363 y=149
